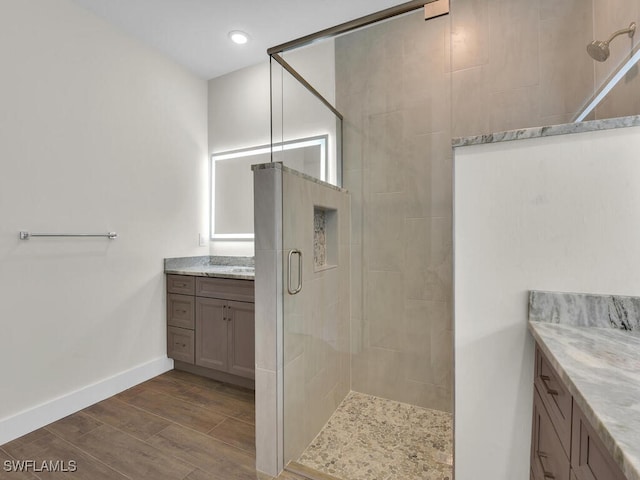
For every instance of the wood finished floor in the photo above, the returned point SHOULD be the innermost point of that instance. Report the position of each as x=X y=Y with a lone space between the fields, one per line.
x=176 y=426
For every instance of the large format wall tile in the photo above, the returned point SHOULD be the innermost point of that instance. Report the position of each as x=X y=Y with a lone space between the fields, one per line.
x=384 y=231
x=513 y=44
x=417 y=339
x=384 y=160
x=514 y=109
x=469 y=33
x=428 y=251
x=566 y=70
x=470 y=101
x=428 y=175
x=384 y=309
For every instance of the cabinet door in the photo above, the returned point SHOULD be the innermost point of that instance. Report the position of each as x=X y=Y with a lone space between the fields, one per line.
x=242 y=339
x=590 y=459
x=548 y=459
x=211 y=333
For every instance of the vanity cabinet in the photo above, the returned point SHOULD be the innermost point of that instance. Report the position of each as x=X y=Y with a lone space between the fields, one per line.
x=211 y=325
x=564 y=446
x=225 y=339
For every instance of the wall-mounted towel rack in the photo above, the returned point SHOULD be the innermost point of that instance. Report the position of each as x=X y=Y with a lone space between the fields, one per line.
x=27 y=235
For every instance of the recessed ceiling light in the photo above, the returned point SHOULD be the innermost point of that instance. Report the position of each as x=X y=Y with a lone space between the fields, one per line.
x=238 y=37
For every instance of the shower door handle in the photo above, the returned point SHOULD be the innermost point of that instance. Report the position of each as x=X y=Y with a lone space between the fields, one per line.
x=291 y=290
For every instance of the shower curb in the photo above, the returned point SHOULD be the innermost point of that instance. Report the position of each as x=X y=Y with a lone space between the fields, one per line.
x=308 y=473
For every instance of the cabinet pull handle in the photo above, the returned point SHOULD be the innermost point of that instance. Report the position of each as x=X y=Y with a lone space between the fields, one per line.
x=546 y=474
x=550 y=391
x=291 y=290
x=180 y=285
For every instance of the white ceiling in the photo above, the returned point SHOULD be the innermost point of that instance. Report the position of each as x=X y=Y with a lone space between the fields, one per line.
x=194 y=32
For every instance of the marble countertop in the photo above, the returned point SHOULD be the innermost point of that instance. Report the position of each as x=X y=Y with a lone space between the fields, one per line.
x=601 y=368
x=239 y=268
x=548 y=131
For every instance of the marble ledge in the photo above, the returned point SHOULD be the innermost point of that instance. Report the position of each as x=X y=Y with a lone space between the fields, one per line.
x=548 y=131
x=239 y=268
x=601 y=368
x=281 y=166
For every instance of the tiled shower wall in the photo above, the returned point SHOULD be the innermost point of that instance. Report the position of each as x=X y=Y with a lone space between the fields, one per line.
x=393 y=88
x=523 y=63
x=406 y=87
x=519 y=63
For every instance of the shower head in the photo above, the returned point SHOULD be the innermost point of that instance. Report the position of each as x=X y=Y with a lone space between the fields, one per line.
x=599 y=50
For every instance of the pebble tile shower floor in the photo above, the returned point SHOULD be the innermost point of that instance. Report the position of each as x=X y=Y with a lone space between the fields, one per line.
x=371 y=438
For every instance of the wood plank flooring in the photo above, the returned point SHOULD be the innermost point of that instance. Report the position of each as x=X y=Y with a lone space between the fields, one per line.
x=177 y=426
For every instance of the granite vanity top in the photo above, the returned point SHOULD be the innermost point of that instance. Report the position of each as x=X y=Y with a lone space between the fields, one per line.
x=548 y=131
x=600 y=365
x=240 y=268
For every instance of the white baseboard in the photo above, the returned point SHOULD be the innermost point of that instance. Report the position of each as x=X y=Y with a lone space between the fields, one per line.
x=36 y=417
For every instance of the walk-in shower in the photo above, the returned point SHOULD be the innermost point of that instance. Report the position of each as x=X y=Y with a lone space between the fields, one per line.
x=363 y=365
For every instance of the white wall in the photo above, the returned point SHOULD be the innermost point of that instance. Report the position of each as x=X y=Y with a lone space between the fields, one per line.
x=97 y=133
x=559 y=214
x=239 y=111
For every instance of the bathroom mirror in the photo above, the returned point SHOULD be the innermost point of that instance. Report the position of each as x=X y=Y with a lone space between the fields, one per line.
x=232 y=181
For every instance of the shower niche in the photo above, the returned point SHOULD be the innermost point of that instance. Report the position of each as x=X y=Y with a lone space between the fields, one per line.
x=325 y=238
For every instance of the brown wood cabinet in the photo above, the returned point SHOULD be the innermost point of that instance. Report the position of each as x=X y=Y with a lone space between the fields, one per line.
x=548 y=458
x=589 y=457
x=242 y=358
x=211 y=325
x=564 y=446
x=180 y=344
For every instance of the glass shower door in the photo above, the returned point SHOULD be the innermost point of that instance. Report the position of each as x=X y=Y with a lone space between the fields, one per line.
x=315 y=256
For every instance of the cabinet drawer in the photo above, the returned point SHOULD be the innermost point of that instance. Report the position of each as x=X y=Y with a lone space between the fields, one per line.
x=555 y=397
x=181 y=344
x=548 y=458
x=181 y=310
x=590 y=460
x=183 y=284
x=225 y=288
